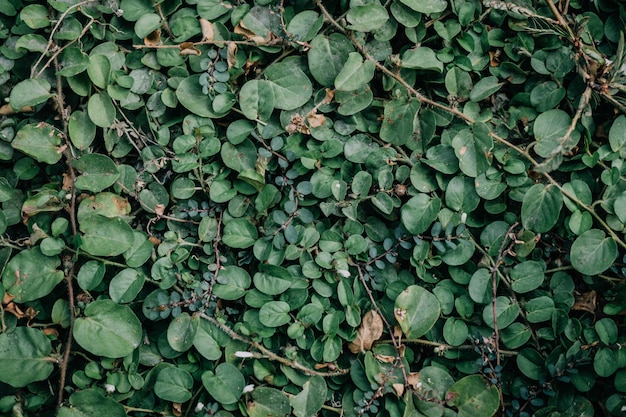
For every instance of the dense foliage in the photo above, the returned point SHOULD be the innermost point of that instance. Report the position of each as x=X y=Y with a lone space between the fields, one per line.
x=396 y=208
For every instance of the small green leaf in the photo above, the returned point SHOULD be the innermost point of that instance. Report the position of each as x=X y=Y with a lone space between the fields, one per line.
x=239 y=234
x=400 y=123
x=24 y=356
x=291 y=87
x=30 y=275
x=173 y=384
x=40 y=141
x=484 y=88
x=423 y=58
x=205 y=341
x=311 y=399
x=103 y=236
x=327 y=57
x=181 y=332
x=92 y=403
x=526 y=276
x=617 y=135
x=541 y=207
x=593 y=252
x=29 y=92
x=90 y=275
x=147 y=24
x=125 y=285
x=419 y=213
x=35 y=16
x=274 y=314
x=226 y=384
x=256 y=99
x=355 y=73
x=101 y=110
x=367 y=17
x=81 y=129
x=507 y=311
x=108 y=329
x=416 y=311
x=98 y=172
x=267 y=401
x=99 y=70
x=473 y=397
x=232 y=283
x=427 y=7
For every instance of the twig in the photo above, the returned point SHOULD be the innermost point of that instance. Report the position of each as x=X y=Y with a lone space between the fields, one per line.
x=268 y=353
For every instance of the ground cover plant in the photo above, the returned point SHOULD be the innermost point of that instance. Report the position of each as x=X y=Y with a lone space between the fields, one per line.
x=261 y=208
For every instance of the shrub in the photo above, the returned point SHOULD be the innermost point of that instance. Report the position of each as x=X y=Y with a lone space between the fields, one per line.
x=359 y=208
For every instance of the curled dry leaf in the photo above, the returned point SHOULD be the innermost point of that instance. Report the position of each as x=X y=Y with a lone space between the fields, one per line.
x=399 y=389
x=231 y=54
x=315 y=120
x=153 y=39
x=370 y=331
x=188 y=48
x=208 y=31
x=586 y=302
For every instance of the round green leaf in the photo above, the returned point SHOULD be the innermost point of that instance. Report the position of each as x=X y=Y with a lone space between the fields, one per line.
x=539 y=309
x=367 y=17
x=617 y=135
x=327 y=57
x=29 y=92
x=604 y=362
x=239 y=234
x=147 y=24
x=30 y=275
x=355 y=73
x=305 y=25
x=191 y=96
x=473 y=397
x=484 y=88
x=35 y=16
x=310 y=400
x=268 y=401
x=101 y=110
x=419 y=213
x=291 y=87
x=81 y=129
x=108 y=329
x=507 y=311
x=91 y=403
x=550 y=128
x=256 y=99
x=40 y=141
x=593 y=252
x=416 y=310
x=181 y=332
x=423 y=58
x=24 y=356
x=526 y=276
x=472 y=149
x=541 y=207
x=173 y=384
x=205 y=341
x=90 y=275
x=274 y=314
x=516 y=335
x=125 y=285
x=232 y=283
x=73 y=61
x=226 y=384
x=99 y=70
x=98 y=172
x=455 y=331
x=427 y=7
x=400 y=122
x=103 y=236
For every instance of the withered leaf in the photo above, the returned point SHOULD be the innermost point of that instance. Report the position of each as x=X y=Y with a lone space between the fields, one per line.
x=208 y=31
x=153 y=39
x=188 y=48
x=370 y=331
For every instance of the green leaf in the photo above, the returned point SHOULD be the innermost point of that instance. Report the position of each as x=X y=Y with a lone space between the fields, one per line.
x=400 y=124
x=455 y=331
x=98 y=172
x=205 y=341
x=226 y=384
x=81 y=129
x=367 y=17
x=268 y=401
x=29 y=92
x=473 y=149
x=617 y=135
x=458 y=83
x=484 y=88
x=327 y=57
x=256 y=99
x=274 y=314
x=189 y=93
x=90 y=275
x=507 y=311
x=147 y=24
x=311 y=399
x=108 y=329
x=593 y=252
x=539 y=309
x=35 y=16
x=73 y=61
x=181 y=332
x=291 y=87
x=272 y=279
x=607 y=330
x=419 y=213
x=421 y=57
x=24 y=356
x=239 y=234
x=305 y=25
x=125 y=285
x=473 y=397
x=99 y=70
x=550 y=129
x=40 y=141
x=604 y=362
x=526 y=276
x=355 y=73
x=101 y=110
x=232 y=283
x=427 y=7
x=103 y=236
x=91 y=403
x=173 y=384
x=352 y=102
x=30 y=275
x=541 y=207
x=416 y=311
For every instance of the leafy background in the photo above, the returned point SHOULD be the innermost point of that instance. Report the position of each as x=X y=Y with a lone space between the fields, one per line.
x=222 y=208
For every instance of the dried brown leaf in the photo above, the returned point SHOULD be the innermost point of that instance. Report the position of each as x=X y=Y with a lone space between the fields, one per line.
x=208 y=30
x=586 y=302
x=370 y=331
x=231 y=54
x=399 y=389
x=315 y=120
x=153 y=39
x=188 y=48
